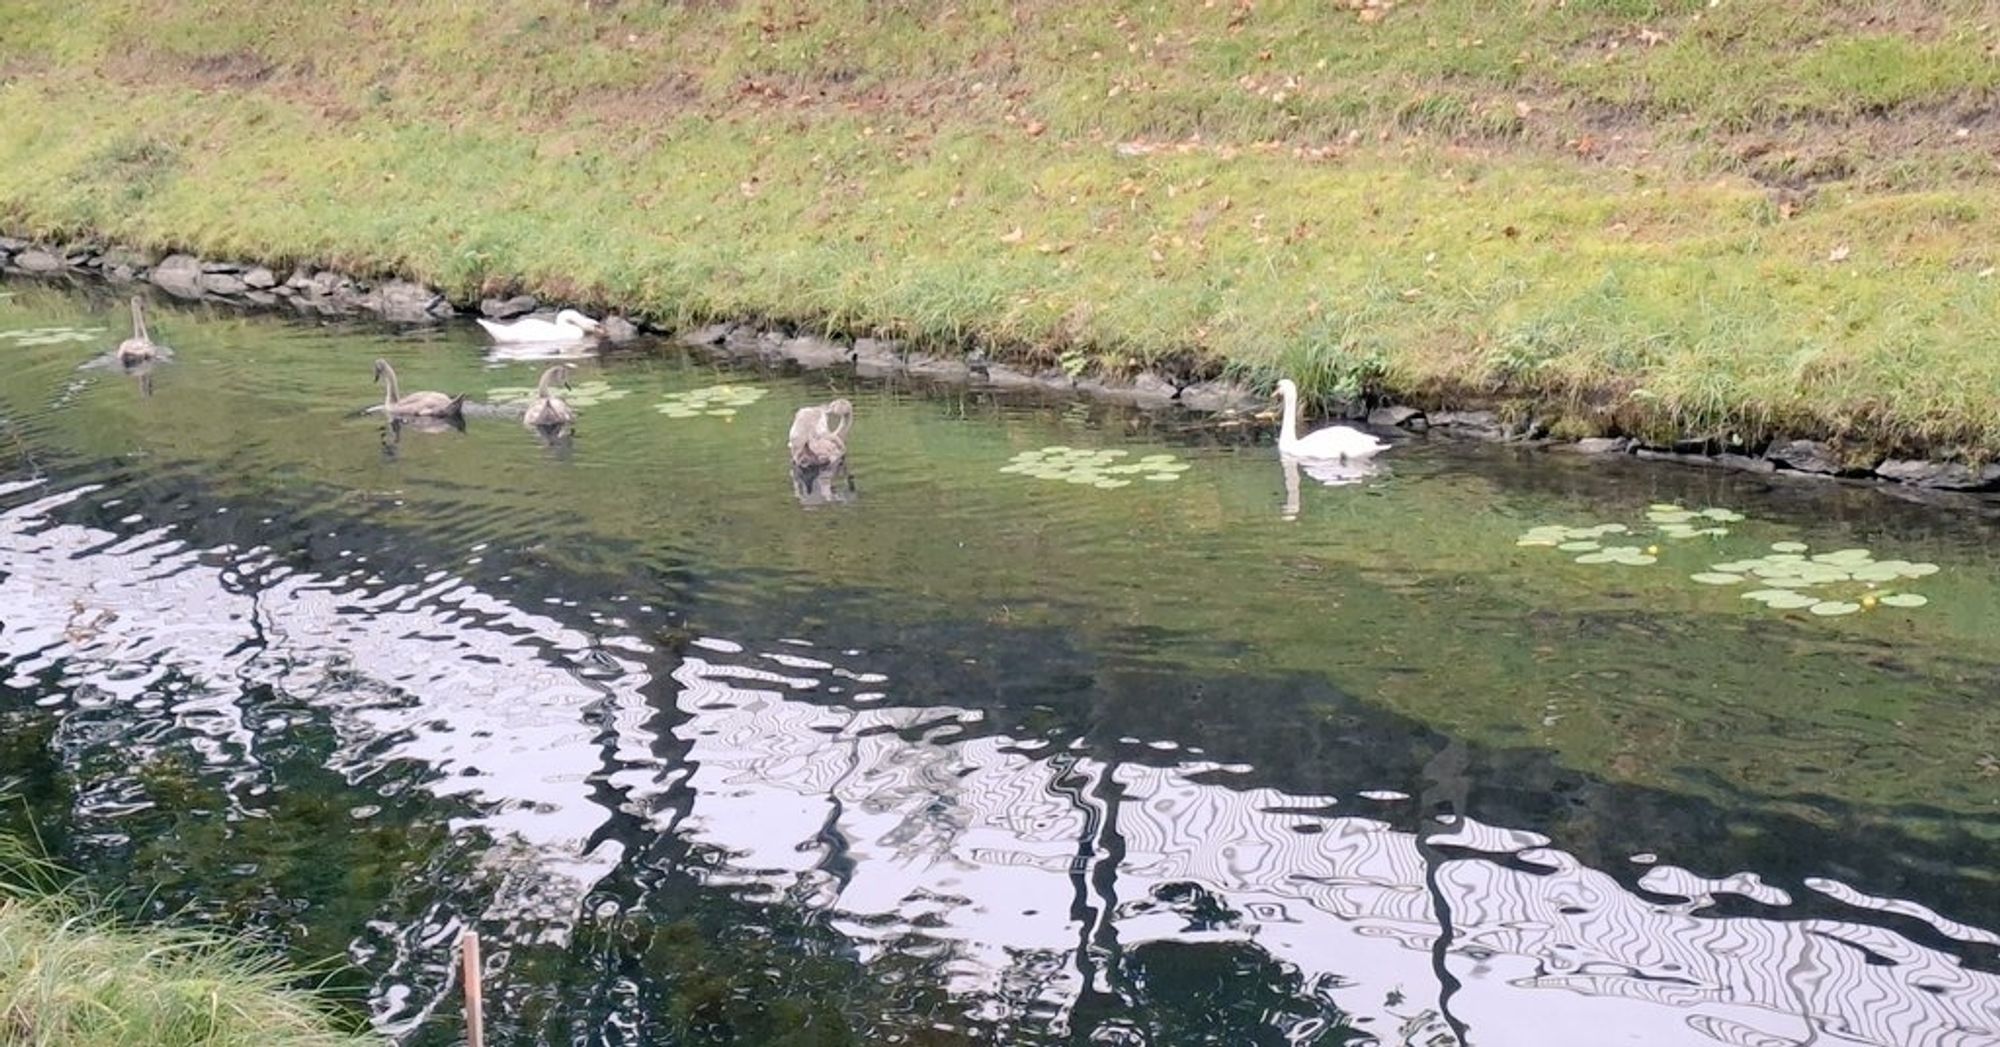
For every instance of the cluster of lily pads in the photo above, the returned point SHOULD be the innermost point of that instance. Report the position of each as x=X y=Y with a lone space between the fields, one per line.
x=1106 y=469
x=1588 y=543
x=1789 y=577
x=719 y=401
x=578 y=394
x=1673 y=521
x=1842 y=582
x=28 y=336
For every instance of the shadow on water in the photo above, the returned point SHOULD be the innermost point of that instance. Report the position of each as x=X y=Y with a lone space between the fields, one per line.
x=979 y=758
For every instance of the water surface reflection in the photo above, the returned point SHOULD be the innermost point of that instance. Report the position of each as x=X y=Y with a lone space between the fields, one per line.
x=1051 y=885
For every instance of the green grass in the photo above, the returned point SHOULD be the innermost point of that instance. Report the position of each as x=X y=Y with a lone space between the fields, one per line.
x=70 y=975
x=1458 y=203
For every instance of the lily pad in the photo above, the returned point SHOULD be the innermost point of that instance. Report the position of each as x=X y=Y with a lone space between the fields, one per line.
x=1789 y=547
x=714 y=401
x=1579 y=547
x=1782 y=599
x=1904 y=600
x=1717 y=578
x=32 y=336
x=1833 y=608
x=1101 y=469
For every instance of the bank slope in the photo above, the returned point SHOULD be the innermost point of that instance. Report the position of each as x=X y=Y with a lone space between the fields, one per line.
x=1657 y=217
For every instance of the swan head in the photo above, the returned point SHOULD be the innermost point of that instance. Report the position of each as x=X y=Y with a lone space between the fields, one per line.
x=381 y=368
x=572 y=318
x=1288 y=389
x=840 y=409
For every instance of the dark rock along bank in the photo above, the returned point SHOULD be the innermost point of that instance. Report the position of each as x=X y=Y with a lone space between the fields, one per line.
x=325 y=292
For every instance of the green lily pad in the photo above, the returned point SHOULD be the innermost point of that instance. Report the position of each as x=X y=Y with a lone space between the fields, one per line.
x=1833 y=608
x=1723 y=515
x=1920 y=570
x=713 y=401
x=1782 y=599
x=1103 y=468
x=1904 y=600
x=1789 y=547
x=1579 y=547
x=1845 y=556
x=1717 y=578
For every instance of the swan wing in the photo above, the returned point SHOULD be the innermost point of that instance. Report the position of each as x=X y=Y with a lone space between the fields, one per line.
x=1338 y=441
x=531 y=330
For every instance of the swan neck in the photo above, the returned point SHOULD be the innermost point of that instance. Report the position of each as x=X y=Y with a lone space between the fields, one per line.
x=139 y=321
x=390 y=393
x=1289 y=433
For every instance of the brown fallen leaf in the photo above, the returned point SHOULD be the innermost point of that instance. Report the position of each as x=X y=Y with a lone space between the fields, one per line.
x=1013 y=237
x=1838 y=254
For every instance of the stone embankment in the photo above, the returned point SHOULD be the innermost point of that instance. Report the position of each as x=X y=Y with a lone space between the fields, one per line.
x=319 y=291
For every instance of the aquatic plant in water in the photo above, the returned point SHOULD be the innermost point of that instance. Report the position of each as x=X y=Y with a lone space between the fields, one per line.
x=718 y=401
x=1106 y=469
x=578 y=394
x=1789 y=577
x=1673 y=521
x=1842 y=582
x=1585 y=541
x=28 y=336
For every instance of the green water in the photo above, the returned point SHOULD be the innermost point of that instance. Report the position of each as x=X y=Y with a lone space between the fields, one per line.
x=1197 y=751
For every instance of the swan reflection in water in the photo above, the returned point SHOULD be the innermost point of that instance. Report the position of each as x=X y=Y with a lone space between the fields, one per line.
x=825 y=484
x=553 y=352
x=392 y=433
x=1334 y=473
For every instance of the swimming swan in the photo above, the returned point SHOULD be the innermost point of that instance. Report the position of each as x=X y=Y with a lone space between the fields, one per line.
x=813 y=440
x=548 y=411
x=1335 y=442
x=139 y=348
x=568 y=326
x=415 y=405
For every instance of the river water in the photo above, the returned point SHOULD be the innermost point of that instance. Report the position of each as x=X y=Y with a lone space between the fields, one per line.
x=1142 y=740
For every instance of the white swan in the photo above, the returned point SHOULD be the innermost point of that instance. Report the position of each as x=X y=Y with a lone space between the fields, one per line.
x=568 y=326
x=1333 y=443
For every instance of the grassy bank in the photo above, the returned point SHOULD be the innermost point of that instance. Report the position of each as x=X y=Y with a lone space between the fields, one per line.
x=70 y=977
x=1648 y=216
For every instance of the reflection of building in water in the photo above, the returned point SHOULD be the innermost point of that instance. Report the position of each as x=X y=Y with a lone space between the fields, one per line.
x=991 y=847
x=1033 y=874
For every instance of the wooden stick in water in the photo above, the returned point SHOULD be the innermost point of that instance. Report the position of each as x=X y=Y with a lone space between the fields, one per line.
x=475 y=1024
